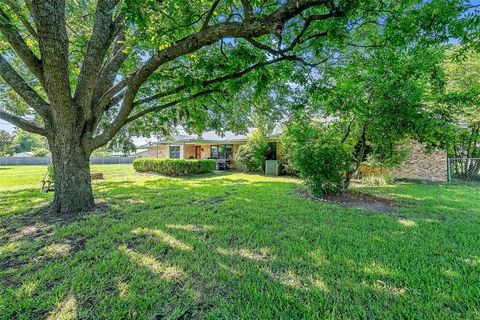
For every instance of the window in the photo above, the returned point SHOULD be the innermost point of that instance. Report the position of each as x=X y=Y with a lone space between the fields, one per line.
x=214 y=153
x=175 y=152
x=222 y=151
x=228 y=151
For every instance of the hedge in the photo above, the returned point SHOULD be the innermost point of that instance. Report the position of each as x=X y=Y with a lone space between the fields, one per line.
x=174 y=167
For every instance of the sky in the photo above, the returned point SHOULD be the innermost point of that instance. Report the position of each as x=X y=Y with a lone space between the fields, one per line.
x=4 y=125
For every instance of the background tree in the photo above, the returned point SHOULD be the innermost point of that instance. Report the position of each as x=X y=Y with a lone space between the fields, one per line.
x=24 y=141
x=79 y=73
x=6 y=143
x=459 y=101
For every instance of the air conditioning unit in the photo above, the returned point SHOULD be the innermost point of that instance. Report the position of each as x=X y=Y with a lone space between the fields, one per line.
x=272 y=167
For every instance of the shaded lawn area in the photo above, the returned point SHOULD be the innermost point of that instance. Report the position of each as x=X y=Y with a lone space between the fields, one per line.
x=237 y=246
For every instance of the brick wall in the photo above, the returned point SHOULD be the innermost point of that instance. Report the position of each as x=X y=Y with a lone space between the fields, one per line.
x=189 y=151
x=423 y=166
x=162 y=151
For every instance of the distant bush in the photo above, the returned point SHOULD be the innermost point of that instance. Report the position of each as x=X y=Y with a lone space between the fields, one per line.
x=174 y=167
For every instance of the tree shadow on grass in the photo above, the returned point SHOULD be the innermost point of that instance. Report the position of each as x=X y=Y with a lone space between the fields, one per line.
x=200 y=248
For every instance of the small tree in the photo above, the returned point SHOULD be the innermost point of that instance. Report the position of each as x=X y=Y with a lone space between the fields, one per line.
x=254 y=153
x=373 y=103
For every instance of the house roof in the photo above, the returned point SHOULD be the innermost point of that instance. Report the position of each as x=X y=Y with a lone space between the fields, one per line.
x=209 y=137
x=122 y=154
x=24 y=154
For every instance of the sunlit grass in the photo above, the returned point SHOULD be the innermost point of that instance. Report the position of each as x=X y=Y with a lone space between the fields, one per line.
x=230 y=246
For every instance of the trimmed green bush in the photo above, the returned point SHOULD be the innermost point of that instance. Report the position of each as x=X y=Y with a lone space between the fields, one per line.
x=316 y=152
x=174 y=167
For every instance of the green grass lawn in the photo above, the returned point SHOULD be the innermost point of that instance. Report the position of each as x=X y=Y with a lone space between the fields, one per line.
x=236 y=246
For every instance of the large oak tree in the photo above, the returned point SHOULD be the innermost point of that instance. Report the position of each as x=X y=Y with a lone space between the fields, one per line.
x=81 y=73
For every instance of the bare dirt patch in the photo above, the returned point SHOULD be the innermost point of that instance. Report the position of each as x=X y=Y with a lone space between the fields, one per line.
x=357 y=200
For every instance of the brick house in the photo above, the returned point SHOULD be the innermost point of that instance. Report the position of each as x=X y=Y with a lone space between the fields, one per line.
x=419 y=165
x=208 y=146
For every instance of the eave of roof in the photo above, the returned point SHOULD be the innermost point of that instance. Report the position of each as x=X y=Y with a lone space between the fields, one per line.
x=199 y=141
x=189 y=141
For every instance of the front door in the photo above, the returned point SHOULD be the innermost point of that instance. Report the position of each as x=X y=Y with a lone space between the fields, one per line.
x=198 y=152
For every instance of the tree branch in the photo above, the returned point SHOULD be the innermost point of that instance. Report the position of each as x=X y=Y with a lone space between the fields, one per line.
x=105 y=88
x=168 y=105
x=247 y=9
x=272 y=23
x=118 y=122
x=22 y=123
x=347 y=133
x=209 y=15
x=298 y=39
x=23 y=89
x=21 y=48
x=223 y=78
x=282 y=54
x=18 y=12
x=49 y=17
x=104 y=31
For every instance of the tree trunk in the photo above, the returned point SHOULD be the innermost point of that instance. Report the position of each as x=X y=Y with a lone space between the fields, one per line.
x=358 y=161
x=73 y=188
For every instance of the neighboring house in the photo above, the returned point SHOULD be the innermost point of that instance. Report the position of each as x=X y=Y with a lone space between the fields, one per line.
x=207 y=146
x=24 y=155
x=139 y=153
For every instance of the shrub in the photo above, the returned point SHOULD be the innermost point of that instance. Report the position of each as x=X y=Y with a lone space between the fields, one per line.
x=254 y=153
x=40 y=152
x=318 y=155
x=377 y=181
x=174 y=167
